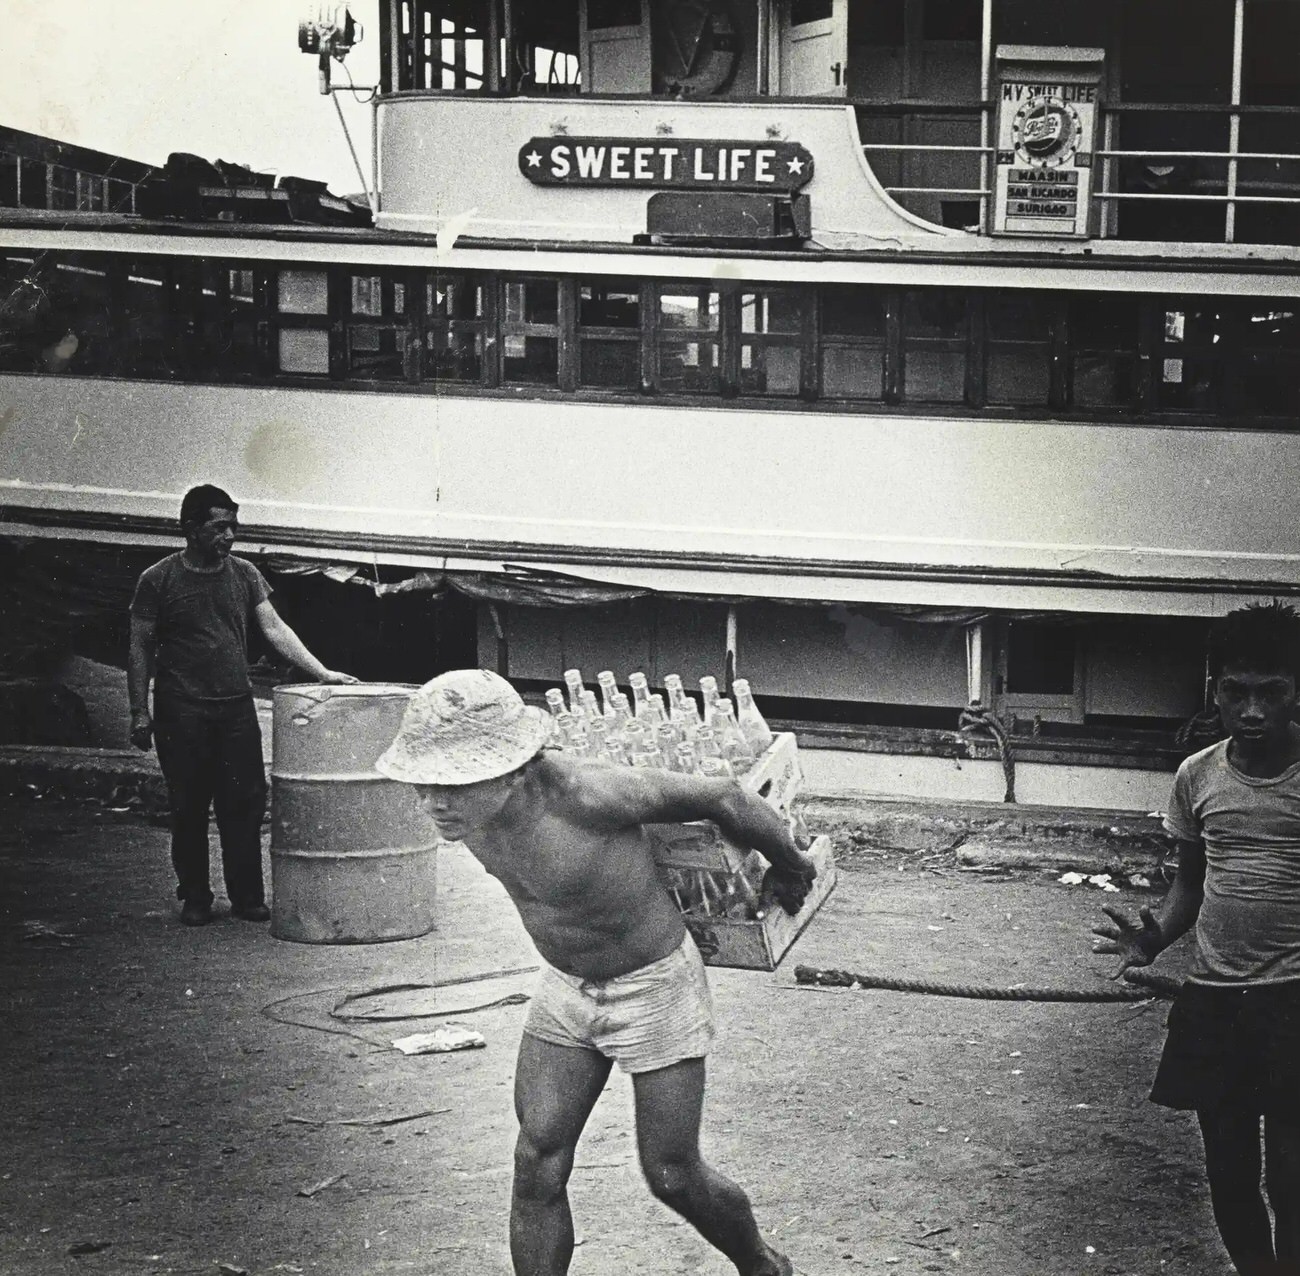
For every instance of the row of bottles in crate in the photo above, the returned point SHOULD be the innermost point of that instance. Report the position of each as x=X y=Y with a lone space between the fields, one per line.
x=670 y=732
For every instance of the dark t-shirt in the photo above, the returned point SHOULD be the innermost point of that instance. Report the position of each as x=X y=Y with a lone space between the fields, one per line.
x=202 y=625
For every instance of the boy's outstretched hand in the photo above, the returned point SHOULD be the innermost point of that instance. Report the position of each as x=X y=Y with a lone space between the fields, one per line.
x=1136 y=945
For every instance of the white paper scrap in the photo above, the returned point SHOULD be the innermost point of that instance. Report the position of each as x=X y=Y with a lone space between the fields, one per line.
x=450 y=1036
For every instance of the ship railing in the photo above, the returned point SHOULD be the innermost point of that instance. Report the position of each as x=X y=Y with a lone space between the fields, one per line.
x=1229 y=176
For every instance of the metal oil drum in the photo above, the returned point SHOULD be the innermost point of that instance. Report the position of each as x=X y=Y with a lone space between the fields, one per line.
x=352 y=855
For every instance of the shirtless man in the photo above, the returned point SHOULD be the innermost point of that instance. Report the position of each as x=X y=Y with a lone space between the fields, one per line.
x=624 y=981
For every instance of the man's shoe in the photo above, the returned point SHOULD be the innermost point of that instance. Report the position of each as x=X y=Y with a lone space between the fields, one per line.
x=193 y=914
x=251 y=913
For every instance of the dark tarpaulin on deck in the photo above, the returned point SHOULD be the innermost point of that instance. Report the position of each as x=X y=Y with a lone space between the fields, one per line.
x=525 y=586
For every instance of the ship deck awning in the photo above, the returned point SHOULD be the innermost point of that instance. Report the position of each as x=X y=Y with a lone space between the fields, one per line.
x=549 y=576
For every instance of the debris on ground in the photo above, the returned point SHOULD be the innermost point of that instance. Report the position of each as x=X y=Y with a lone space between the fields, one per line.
x=317 y=1188
x=441 y=1040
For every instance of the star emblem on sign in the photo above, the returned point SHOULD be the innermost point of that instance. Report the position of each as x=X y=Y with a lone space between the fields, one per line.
x=795 y=165
x=533 y=159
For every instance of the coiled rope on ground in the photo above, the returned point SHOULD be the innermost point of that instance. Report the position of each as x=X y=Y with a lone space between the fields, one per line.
x=1148 y=985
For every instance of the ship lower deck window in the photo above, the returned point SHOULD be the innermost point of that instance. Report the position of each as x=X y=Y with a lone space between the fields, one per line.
x=530 y=340
x=689 y=351
x=453 y=344
x=1018 y=332
x=1220 y=360
x=609 y=333
x=379 y=329
x=934 y=345
x=1104 y=333
x=852 y=342
x=771 y=342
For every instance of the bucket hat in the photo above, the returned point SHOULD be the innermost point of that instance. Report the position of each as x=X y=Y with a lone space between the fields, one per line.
x=463 y=727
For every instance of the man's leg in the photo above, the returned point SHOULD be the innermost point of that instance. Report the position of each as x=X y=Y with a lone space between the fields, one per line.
x=555 y=1089
x=669 y=1102
x=1232 y=1164
x=239 y=802
x=185 y=754
x=1282 y=1177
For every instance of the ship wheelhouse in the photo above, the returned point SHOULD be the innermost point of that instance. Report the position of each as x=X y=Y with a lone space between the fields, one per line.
x=895 y=355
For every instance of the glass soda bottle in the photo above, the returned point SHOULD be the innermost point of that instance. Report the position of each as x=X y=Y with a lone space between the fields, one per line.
x=590 y=707
x=708 y=693
x=735 y=748
x=667 y=739
x=622 y=711
x=717 y=768
x=573 y=681
x=706 y=743
x=749 y=719
x=688 y=760
x=608 y=690
x=555 y=702
x=640 y=693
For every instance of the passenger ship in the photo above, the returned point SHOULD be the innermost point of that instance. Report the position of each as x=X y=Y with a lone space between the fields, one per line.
x=897 y=354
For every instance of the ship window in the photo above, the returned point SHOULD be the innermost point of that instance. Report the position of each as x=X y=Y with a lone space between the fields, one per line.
x=952 y=20
x=805 y=11
x=613 y=13
x=1268 y=360
x=379 y=332
x=63 y=187
x=1018 y=332
x=303 y=292
x=1103 y=344
x=609 y=333
x=1189 y=365
x=771 y=342
x=55 y=316
x=530 y=334
x=454 y=337
x=853 y=342
x=1040 y=659
x=153 y=321
x=690 y=358
x=305 y=350
x=934 y=345
x=231 y=319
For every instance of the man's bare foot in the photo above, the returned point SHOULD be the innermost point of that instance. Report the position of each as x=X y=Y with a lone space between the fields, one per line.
x=773 y=1263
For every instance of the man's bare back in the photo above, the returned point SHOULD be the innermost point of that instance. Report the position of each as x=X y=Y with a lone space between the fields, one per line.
x=567 y=843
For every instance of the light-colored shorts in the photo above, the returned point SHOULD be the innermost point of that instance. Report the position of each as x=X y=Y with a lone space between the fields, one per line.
x=647 y=1019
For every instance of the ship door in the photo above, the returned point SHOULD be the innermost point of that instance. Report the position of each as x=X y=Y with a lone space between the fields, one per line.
x=813 y=47
x=615 y=46
x=1040 y=672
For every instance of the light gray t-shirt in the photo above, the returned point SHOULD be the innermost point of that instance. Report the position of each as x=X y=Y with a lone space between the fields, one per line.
x=1248 y=930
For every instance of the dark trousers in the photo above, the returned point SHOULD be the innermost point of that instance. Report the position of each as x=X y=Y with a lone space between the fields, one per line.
x=210 y=752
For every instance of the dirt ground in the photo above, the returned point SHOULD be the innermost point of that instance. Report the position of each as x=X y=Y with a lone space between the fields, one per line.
x=169 y=1093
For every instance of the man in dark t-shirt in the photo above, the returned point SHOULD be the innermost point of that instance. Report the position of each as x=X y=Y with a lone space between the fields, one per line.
x=189 y=634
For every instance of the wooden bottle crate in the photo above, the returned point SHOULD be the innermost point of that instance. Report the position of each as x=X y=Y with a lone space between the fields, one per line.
x=683 y=851
x=760 y=943
x=775 y=777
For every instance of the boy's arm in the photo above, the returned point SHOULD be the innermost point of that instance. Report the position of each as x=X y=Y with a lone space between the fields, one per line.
x=139 y=672
x=1141 y=945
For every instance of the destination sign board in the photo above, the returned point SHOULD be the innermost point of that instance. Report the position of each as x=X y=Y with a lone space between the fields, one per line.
x=1048 y=103
x=665 y=163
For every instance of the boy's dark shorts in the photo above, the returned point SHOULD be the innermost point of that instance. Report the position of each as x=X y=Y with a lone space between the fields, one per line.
x=1239 y=1045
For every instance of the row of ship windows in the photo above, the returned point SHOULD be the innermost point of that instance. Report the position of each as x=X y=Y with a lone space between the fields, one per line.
x=1115 y=352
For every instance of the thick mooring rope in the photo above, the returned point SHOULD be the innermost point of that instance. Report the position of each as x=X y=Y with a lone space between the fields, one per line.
x=1154 y=986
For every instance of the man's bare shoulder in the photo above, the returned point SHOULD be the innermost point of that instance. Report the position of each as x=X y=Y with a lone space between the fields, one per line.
x=590 y=793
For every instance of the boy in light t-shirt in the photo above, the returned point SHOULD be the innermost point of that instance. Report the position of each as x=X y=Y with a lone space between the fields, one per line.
x=1233 y=1048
